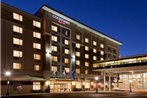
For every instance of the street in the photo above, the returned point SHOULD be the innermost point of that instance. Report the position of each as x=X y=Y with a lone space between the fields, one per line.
x=82 y=95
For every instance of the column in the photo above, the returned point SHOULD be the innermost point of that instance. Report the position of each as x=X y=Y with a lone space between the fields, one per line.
x=104 y=81
x=109 y=82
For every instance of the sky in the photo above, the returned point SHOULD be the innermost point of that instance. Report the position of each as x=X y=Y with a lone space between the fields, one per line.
x=124 y=20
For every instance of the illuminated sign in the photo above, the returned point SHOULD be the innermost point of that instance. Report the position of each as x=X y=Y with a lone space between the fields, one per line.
x=60 y=20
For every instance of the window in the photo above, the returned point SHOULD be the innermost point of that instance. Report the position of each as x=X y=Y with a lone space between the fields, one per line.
x=66 y=51
x=36 y=85
x=17 y=17
x=66 y=42
x=36 y=45
x=87 y=64
x=102 y=45
x=66 y=60
x=86 y=56
x=54 y=48
x=94 y=58
x=77 y=62
x=37 y=57
x=36 y=67
x=36 y=24
x=78 y=54
x=54 y=38
x=17 y=41
x=86 y=40
x=78 y=37
x=54 y=58
x=78 y=71
x=86 y=71
x=54 y=28
x=66 y=69
x=94 y=43
x=94 y=51
x=17 y=53
x=17 y=29
x=77 y=45
x=16 y=66
x=54 y=68
x=36 y=35
x=101 y=59
x=102 y=52
x=86 y=48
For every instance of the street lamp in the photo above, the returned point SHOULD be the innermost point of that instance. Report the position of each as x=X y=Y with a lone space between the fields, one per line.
x=130 y=82
x=7 y=74
x=96 y=78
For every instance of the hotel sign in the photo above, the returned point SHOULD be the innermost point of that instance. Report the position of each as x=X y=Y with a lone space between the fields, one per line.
x=60 y=20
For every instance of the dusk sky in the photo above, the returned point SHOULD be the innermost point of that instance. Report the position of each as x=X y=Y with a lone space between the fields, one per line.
x=124 y=20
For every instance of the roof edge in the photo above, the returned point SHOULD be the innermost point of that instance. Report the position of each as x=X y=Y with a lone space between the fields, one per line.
x=53 y=11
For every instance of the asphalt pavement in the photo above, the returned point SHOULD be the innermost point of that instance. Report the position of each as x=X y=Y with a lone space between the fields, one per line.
x=82 y=95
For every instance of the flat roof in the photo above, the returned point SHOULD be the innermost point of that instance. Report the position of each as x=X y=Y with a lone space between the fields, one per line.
x=55 y=12
x=122 y=58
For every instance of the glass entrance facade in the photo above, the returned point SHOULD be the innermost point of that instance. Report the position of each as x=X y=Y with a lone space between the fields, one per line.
x=139 y=81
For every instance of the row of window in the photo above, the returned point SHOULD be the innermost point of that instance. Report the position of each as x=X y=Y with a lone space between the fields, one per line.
x=18 y=66
x=67 y=70
x=19 y=54
x=19 y=17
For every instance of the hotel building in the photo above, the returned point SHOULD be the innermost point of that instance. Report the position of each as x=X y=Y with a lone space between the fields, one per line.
x=50 y=49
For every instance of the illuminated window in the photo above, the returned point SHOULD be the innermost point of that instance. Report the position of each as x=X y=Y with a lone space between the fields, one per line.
x=86 y=71
x=54 y=28
x=86 y=48
x=77 y=45
x=66 y=51
x=37 y=57
x=54 y=58
x=102 y=45
x=87 y=64
x=54 y=68
x=102 y=52
x=86 y=56
x=54 y=48
x=78 y=54
x=36 y=67
x=66 y=69
x=17 y=17
x=36 y=35
x=36 y=85
x=77 y=62
x=78 y=71
x=66 y=42
x=86 y=40
x=101 y=59
x=17 y=41
x=94 y=43
x=94 y=51
x=36 y=24
x=36 y=45
x=66 y=60
x=16 y=66
x=17 y=29
x=78 y=37
x=54 y=38
x=94 y=58
x=17 y=53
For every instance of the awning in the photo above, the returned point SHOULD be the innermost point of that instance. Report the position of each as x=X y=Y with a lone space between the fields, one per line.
x=24 y=78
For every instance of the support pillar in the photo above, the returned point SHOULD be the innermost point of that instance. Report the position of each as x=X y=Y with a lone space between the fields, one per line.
x=104 y=81
x=109 y=82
